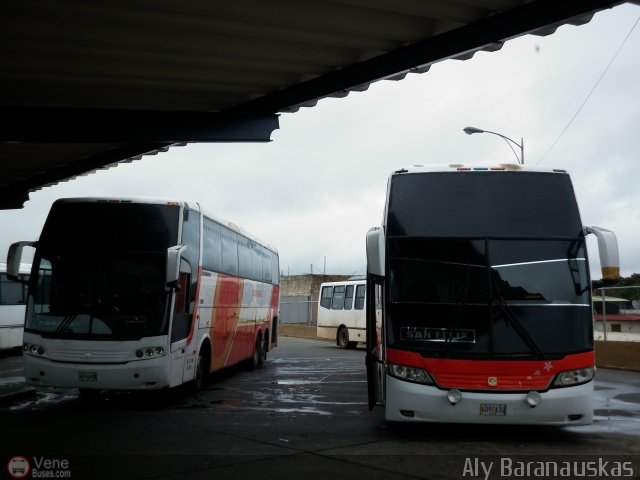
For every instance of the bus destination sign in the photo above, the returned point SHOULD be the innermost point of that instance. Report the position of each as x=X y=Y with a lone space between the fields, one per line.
x=429 y=334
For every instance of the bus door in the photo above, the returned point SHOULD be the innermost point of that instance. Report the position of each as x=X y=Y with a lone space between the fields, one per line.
x=375 y=352
x=181 y=325
x=374 y=356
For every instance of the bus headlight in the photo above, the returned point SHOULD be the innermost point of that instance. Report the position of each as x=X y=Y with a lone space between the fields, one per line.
x=33 y=349
x=150 y=352
x=410 y=374
x=574 y=377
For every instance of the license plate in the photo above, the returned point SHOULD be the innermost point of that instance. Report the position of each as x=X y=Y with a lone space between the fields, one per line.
x=493 y=409
x=88 y=376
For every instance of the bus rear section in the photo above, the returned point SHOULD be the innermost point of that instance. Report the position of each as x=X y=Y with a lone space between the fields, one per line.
x=13 y=300
x=132 y=294
x=484 y=298
x=341 y=312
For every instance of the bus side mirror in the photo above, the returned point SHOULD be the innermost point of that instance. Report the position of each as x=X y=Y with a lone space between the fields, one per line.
x=14 y=258
x=174 y=254
x=375 y=251
x=609 y=257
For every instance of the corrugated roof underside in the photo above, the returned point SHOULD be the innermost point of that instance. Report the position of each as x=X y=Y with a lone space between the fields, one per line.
x=202 y=56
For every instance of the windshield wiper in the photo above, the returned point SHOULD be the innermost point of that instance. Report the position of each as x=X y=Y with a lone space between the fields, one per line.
x=572 y=254
x=514 y=322
x=65 y=323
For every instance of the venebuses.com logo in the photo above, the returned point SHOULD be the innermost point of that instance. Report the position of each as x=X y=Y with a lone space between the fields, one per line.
x=18 y=467
x=38 y=467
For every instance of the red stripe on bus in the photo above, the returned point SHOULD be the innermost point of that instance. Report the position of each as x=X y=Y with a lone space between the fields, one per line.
x=491 y=374
x=224 y=319
x=275 y=296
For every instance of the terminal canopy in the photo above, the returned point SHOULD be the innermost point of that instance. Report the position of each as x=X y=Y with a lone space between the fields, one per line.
x=86 y=85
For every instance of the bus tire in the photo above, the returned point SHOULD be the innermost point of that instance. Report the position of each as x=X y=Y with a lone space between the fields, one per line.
x=259 y=353
x=265 y=347
x=202 y=369
x=343 y=337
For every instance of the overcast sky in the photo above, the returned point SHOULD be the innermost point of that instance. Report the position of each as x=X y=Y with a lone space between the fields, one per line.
x=315 y=190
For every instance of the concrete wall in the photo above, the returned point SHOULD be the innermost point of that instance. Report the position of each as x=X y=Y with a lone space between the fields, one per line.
x=292 y=285
x=304 y=286
x=621 y=355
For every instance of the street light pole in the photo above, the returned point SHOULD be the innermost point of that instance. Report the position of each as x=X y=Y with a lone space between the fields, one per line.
x=472 y=130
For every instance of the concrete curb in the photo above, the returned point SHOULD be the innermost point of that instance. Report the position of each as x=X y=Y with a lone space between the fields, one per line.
x=300 y=331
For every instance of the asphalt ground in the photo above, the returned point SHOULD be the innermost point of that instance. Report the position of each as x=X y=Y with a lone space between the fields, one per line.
x=303 y=415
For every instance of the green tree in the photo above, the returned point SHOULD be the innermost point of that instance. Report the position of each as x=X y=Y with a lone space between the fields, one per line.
x=628 y=293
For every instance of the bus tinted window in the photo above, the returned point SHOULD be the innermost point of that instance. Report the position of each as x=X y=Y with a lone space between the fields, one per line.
x=256 y=262
x=267 y=269
x=229 y=252
x=212 y=250
x=496 y=296
x=482 y=204
x=338 y=297
x=244 y=257
x=326 y=296
x=348 y=299
x=101 y=226
x=360 y=290
x=275 y=269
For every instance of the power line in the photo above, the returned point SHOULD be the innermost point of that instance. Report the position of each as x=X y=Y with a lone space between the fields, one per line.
x=591 y=92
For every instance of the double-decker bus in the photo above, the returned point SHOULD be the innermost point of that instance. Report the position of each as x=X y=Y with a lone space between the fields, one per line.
x=13 y=298
x=132 y=294
x=341 y=312
x=479 y=300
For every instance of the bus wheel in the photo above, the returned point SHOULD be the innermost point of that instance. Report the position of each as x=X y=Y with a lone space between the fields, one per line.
x=200 y=377
x=259 y=353
x=263 y=351
x=343 y=337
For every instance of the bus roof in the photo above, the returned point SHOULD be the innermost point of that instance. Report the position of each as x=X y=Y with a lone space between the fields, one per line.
x=475 y=167
x=351 y=281
x=163 y=201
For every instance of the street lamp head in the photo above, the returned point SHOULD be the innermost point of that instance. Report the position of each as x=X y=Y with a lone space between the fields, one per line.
x=472 y=130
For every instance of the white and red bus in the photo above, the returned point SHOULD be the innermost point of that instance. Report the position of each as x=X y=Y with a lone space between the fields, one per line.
x=479 y=301
x=133 y=294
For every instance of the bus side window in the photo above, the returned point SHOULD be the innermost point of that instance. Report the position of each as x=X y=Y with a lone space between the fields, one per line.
x=338 y=298
x=229 y=252
x=348 y=298
x=212 y=252
x=325 y=299
x=360 y=291
x=11 y=293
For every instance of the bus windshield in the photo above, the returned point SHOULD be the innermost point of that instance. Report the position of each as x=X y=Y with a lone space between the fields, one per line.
x=100 y=271
x=530 y=299
x=509 y=280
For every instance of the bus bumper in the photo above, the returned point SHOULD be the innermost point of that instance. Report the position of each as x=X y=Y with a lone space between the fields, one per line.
x=151 y=374
x=412 y=402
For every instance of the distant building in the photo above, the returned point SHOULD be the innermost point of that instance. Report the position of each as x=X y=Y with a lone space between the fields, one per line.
x=621 y=319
